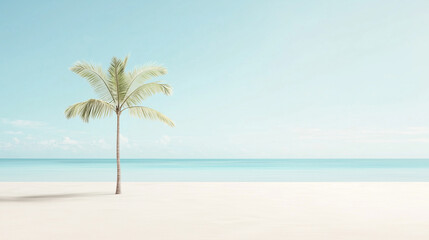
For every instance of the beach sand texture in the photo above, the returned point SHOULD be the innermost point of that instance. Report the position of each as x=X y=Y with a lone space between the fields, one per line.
x=221 y=211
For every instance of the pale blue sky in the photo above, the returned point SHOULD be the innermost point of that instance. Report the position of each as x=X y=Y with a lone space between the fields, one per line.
x=276 y=79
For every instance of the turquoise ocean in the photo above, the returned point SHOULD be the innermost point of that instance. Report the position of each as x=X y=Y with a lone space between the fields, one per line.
x=223 y=170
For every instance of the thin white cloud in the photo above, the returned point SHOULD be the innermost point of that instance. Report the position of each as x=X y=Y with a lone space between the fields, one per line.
x=5 y=145
x=101 y=143
x=22 y=123
x=49 y=143
x=66 y=143
x=69 y=141
x=165 y=140
x=123 y=139
x=14 y=132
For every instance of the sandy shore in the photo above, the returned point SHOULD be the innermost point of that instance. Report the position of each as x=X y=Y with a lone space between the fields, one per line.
x=221 y=211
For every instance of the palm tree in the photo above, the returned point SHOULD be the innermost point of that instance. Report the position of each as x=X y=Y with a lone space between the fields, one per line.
x=119 y=91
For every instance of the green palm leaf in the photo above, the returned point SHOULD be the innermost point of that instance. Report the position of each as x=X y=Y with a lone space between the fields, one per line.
x=147 y=90
x=142 y=74
x=96 y=78
x=149 y=113
x=92 y=108
x=117 y=78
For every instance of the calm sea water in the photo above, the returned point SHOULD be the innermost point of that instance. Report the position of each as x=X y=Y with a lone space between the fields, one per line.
x=200 y=170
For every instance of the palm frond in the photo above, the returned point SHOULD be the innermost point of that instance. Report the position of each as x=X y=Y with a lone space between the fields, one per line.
x=145 y=91
x=149 y=113
x=96 y=78
x=119 y=90
x=117 y=78
x=140 y=75
x=92 y=108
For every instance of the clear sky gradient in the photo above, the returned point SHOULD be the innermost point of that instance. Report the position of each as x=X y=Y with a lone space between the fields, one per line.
x=258 y=79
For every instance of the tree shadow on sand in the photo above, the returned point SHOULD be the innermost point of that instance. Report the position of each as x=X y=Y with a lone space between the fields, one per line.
x=50 y=197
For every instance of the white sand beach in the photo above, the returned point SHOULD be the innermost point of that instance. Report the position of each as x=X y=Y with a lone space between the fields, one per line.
x=227 y=211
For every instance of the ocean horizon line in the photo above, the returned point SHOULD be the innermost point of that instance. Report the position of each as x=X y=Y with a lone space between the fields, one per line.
x=200 y=170
x=259 y=158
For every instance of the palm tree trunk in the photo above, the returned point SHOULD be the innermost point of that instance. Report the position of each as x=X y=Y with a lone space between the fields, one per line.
x=118 y=163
